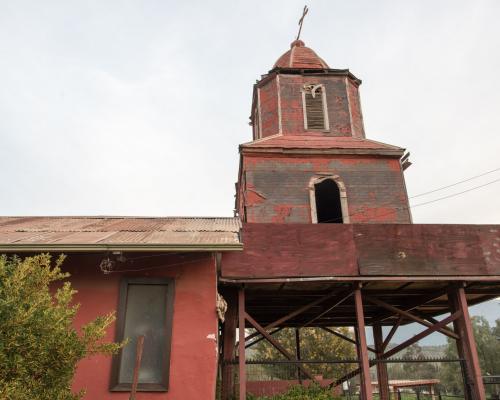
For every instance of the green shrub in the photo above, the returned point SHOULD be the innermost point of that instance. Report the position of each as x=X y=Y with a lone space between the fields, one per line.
x=39 y=348
x=313 y=392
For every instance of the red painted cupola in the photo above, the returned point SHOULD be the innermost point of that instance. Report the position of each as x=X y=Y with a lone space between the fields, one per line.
x=301 y=57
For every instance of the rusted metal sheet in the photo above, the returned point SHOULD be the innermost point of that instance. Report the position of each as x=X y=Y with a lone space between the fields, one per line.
x=272 y=250
x=118 y=230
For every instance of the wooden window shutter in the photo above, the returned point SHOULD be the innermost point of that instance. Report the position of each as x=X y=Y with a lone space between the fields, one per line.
x=314 y=108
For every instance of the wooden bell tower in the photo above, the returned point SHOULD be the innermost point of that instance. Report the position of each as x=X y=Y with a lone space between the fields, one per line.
x=309 y=161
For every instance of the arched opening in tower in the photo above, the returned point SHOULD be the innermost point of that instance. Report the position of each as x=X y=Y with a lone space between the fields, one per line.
x=328 y=206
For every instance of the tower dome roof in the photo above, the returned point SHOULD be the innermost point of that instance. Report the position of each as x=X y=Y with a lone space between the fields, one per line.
x=301 y=57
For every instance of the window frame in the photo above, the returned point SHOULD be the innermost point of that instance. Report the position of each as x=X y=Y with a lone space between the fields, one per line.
x=304 y=90
x=342 y=192
x=115 y=384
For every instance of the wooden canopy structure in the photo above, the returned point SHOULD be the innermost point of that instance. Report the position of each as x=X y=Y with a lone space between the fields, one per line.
x=299 y=275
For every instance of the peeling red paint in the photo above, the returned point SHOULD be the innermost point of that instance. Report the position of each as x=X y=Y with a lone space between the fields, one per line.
x=281 y=213
x=379 y=214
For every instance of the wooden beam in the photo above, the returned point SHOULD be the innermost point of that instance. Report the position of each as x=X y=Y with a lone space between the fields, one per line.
x=467 y=344
x=275 y=344
x=382 y=376
x=228 y=345
x=241 y=350
x=419 y=302
x=409 y=315
x=262 y=338
x=346 y=338
x=402 y=346
x=421 y=335
x=435 y=321
x=366 y=383
x=336 y=304
x=293 y=314
x=391 y=333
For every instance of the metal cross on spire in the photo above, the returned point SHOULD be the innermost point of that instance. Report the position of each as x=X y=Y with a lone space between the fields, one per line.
x=301 y=21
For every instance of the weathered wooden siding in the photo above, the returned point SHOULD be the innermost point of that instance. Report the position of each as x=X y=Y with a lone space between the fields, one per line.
x=357 y=125
x=268 y=93
x=277 y=187
x=336 y=98
x=361 y=250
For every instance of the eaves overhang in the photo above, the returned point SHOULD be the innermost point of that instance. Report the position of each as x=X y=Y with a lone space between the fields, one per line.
x=89 y=248
x=397 y=153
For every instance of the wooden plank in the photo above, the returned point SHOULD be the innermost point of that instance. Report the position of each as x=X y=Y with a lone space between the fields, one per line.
x=400 y=249
x=292 y=250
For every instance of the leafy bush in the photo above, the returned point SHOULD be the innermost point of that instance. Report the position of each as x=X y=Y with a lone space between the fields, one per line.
x=312 y=392
x=39 y=348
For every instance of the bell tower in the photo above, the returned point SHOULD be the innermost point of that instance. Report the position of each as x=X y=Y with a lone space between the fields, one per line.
x=309 y=160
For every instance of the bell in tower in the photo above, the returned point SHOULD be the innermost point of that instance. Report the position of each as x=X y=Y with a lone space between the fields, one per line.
x=309 y=161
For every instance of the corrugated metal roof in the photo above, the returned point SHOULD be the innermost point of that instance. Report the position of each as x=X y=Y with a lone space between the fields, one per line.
x=134 y=233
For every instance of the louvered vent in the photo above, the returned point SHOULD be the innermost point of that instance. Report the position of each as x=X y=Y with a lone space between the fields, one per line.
x=315 y=111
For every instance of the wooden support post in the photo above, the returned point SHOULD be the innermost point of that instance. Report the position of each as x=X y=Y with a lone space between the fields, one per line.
x=228 y=345
x=366 y=384
x=297 y=352
x=382 y=377
x=241 y=350
x=466 y=344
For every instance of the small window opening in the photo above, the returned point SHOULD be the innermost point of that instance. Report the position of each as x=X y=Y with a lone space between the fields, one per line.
x=314 y=107
x=328 y=205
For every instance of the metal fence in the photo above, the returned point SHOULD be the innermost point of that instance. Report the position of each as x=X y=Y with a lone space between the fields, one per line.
x=409 y=379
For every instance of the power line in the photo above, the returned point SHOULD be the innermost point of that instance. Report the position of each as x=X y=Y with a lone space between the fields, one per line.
x=439 y=199
x=455 y=184
x=455 y=194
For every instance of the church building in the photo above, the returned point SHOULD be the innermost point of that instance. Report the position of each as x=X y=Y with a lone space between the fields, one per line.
x=322 y=237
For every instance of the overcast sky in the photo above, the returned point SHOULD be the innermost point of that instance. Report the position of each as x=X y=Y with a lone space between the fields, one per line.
x=137 y=107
